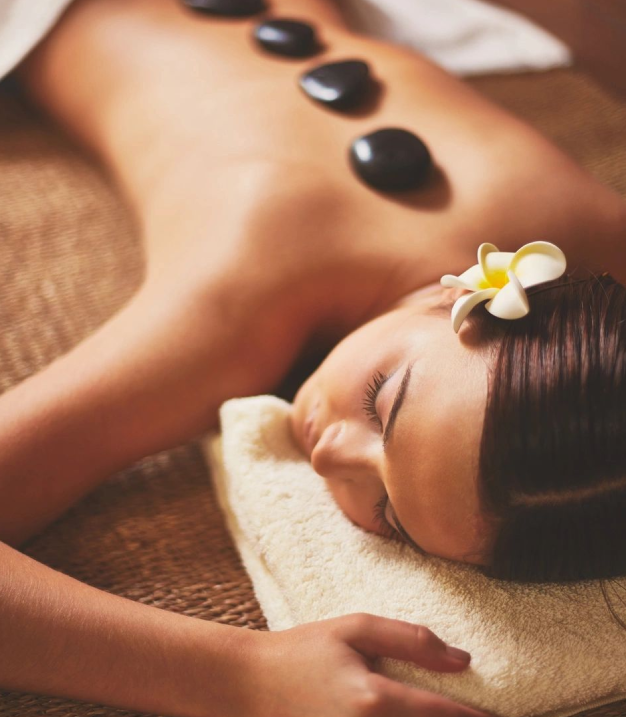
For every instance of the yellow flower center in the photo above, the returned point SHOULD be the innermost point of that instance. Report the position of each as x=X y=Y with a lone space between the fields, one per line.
x=496 y=279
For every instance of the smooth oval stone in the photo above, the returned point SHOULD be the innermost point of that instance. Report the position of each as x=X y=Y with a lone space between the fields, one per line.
x=287 y=37
x=340 y=85
x=391 y=159
x=227 y=8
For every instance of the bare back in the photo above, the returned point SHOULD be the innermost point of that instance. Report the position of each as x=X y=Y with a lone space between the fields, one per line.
x=278 y=207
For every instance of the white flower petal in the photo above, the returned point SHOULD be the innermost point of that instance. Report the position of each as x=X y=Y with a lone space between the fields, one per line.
x=471 y=279
x=537 y=262
x=465 y=304
x=483 y=251
x=451 y=282
x=511 y=301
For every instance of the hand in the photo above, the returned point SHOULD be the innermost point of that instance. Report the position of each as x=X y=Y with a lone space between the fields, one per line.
x=326 y=669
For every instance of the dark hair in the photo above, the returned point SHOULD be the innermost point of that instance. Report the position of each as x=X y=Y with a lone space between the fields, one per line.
x=552 y=465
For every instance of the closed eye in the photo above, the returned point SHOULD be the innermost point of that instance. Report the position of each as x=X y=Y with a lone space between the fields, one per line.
x=371 y=394
x=395 y=529
x=380 y=518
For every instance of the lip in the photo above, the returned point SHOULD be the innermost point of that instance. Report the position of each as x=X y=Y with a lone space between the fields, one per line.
x=310 y=434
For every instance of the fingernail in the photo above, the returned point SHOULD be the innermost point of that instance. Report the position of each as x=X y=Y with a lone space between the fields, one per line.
x=457 y=654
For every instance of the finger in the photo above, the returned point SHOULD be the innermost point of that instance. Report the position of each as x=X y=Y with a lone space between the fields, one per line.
x=376 y=636
x=394 y=699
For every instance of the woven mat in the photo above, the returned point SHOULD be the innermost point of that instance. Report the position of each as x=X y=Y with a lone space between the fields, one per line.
x=69 y=257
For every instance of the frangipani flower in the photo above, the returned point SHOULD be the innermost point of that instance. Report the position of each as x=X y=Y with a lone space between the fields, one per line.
x=501 y=277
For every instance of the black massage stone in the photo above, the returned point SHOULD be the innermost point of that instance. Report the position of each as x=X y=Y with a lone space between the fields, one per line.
x=227 y=8
x=287 y=37
x=391 y=159
x=340 y=85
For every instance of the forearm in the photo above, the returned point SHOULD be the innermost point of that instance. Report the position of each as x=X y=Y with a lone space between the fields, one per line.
x=63 y=638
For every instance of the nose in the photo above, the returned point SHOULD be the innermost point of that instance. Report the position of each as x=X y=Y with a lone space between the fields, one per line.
x=345 y=456
x=345 y=451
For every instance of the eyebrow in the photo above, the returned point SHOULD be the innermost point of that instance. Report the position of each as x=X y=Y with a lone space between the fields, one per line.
x=397 y=404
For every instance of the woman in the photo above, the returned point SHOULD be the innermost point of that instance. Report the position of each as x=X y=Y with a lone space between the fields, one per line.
x=259 y=243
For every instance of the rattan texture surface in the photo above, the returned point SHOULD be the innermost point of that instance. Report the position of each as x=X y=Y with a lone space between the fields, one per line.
x=70 y=256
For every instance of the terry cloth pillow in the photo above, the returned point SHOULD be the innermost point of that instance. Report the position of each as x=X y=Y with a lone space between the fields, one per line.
x=542 y=649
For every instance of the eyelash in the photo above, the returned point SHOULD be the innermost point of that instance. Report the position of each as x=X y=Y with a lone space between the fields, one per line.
x=380 y=518
x=371 y=393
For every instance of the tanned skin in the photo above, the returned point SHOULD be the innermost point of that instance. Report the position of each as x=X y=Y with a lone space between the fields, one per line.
x=258 y=239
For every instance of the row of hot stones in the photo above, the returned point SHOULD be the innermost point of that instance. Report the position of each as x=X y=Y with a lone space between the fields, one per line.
x=389 y=159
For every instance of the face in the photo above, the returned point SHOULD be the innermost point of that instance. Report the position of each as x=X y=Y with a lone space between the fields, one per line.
x=392 y=421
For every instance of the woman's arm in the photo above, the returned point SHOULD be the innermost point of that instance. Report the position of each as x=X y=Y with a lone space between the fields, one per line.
x=151 y=378
x=63 y=638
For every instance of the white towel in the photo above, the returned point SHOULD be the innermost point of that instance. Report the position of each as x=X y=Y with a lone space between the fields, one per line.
x=536 y=650
x=465 y=36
